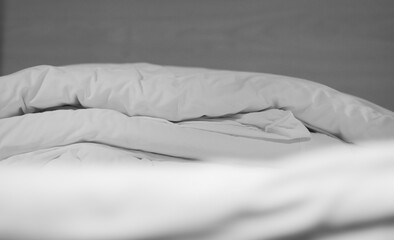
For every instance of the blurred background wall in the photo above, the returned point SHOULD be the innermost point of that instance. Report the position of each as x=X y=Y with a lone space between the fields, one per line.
x=345 y=44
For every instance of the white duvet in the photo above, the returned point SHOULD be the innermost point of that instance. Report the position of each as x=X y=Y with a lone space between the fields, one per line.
x=136 y=151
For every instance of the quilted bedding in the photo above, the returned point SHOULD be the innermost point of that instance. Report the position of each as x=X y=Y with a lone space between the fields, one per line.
x=142 y=151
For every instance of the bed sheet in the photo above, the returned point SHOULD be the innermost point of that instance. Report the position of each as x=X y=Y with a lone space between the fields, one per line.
x=92 y=154
x=142 y=151
x=332 y=194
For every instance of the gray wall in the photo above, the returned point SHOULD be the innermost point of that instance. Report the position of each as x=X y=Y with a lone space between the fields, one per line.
x=346 y=44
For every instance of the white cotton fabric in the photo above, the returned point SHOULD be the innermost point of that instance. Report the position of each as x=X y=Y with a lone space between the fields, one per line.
x=177 y=94
x=346 y=196
x=142 y=151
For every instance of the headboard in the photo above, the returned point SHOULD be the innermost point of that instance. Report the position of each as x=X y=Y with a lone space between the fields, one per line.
x=345 y=44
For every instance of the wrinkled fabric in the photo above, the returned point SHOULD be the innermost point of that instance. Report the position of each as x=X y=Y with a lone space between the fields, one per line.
x=36 y=131
x=346 y=196
x=177 y=94
x=272 y=125
x=141 y=151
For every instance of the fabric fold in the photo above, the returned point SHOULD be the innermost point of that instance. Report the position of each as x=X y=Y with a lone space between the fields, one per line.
x=271 y=125
x=36 y=131
x=177 y=94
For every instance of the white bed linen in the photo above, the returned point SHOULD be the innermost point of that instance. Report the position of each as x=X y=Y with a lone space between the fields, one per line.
x=177 y=94
x=332 y=194
x=143 y=151
x=90 y=153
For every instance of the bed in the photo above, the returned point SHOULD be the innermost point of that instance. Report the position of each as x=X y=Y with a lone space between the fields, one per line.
x=143 y=151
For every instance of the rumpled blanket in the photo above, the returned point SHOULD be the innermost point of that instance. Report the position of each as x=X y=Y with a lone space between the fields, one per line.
x=182 y=112
x=144 y=113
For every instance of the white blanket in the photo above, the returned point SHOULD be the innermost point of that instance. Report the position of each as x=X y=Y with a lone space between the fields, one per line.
x=157 y=135
x=177 y=94
x=329 y=194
